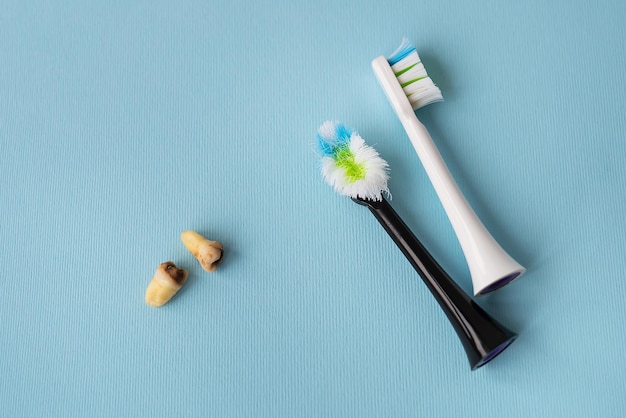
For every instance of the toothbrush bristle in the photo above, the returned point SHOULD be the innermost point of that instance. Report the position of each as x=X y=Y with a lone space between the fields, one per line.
x=412 y=76
x=349 y=165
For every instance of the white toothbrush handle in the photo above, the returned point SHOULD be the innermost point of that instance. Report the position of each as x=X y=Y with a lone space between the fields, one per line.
x=487 y=261
x=490 y=266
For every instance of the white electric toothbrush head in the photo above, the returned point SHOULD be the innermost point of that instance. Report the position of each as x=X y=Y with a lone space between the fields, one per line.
x=408 y=87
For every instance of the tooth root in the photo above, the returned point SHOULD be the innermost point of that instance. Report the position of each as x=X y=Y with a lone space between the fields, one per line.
x=192 y=240
x=208 y=253
x=167 y=280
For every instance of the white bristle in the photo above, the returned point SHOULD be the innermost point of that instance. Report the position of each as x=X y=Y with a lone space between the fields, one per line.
x=417 y=85
x=328 y=131
x=372 y=186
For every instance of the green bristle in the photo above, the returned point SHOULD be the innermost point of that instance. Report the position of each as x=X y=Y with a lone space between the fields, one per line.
x=404 y=70
x=344 y=158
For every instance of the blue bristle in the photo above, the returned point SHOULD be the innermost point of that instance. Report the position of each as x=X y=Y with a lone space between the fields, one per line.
x=405 y=48
x=327 y=144
x=324 y=146
x=343 y=133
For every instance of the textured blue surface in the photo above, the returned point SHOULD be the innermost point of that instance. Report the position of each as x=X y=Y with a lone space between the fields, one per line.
x=122 y=123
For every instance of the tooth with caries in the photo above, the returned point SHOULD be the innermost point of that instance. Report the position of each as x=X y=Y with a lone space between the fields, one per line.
x=167 y=280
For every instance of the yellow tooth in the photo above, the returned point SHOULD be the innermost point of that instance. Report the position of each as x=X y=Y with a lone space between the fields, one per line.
x=208 y=253
x=167 y=280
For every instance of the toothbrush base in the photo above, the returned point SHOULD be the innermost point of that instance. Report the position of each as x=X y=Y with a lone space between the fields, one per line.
x=499 y=284
x=494 y=353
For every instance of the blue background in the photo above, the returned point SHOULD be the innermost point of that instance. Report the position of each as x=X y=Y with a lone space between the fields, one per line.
x=123 y=123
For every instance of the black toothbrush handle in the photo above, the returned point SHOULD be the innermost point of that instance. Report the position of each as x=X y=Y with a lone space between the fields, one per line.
x=482 y=336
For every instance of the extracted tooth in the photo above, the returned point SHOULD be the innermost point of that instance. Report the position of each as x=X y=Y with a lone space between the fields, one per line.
x=167 y=280
x=208 y=253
